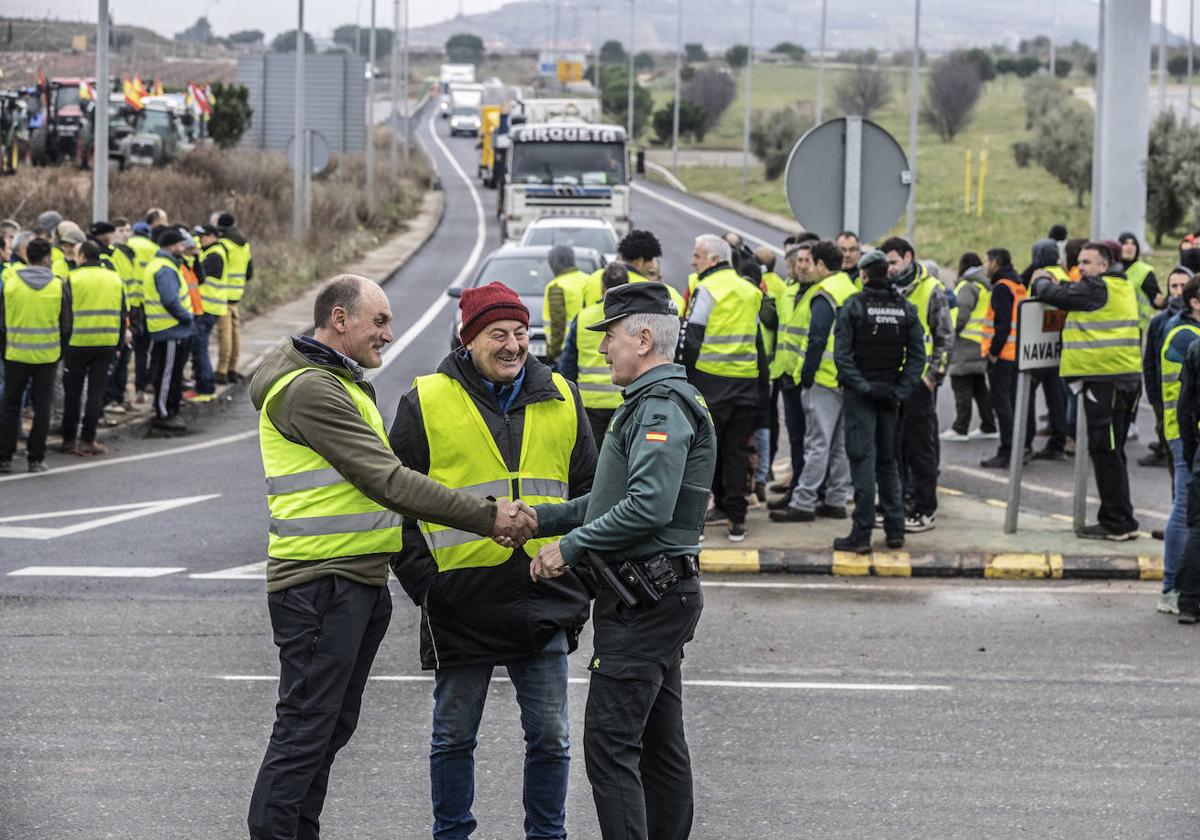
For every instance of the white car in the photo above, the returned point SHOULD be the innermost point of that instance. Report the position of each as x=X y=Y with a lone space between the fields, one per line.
x=465 y=121
x=574 y=231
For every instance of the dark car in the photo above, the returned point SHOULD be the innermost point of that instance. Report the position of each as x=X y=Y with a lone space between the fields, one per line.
x=526 y=270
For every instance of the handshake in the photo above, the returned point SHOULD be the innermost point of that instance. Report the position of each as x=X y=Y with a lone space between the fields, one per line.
x=516 y=523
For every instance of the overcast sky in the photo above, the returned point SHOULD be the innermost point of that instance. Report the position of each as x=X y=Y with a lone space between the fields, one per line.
x=271 y=16
x=321 y=16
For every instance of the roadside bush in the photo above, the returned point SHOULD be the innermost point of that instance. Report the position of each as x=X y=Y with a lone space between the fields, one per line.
x=950 y=97
x=691 y=121
x=773 y=135
x=863 y=91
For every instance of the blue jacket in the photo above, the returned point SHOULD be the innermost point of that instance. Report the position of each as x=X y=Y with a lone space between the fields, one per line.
x=167 y=283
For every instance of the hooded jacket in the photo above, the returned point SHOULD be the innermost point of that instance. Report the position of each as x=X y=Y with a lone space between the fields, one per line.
x=315 y=410
x=1155 y=334
x=37 y=277
x=489 y=614
x=938 y=318
x=235 y=236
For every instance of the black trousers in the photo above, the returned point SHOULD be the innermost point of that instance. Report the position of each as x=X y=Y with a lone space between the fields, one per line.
x=1056 y=406
x=776 y=390
x=327 y=632
x=1109 y=410
x=40 y=378
x=734 y=425
x=794 y=422
x=90 y=366
x=599 y=418
x=1002 y=376
x=142 y=347
x=872 y=441
x=633 y=741
x=920 y=450
x=972 y=388
x=1188 y=579
x=117 y=380
x=167 y=359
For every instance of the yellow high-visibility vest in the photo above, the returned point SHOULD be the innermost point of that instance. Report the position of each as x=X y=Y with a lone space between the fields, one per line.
x=31 y=320
x=236 y=265
x=1106 y=342
x=158 y=319
x=97 y=295
x=595 y=384
x=1169 y=373
x=730 y=348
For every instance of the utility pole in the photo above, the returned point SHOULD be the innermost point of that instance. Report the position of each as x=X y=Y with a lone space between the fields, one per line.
x=915 y=95
x=1191 y=55
x=394 y=72
x=1053 y=38
x=746 y=106
x=404 y=90
x=629 y=115
x=298 y=204
x=596 y=63
x=821 y=64
x=678 y=85
x=100 y=135
x=371 y=118
x=1098 y=119
x=1162 y=58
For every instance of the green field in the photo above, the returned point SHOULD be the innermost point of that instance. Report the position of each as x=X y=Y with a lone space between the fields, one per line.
x=1020 y=205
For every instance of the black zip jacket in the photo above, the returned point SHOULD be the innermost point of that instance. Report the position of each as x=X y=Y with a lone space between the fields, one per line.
x=852 y=321
x=490 y=614
x=1187 y=408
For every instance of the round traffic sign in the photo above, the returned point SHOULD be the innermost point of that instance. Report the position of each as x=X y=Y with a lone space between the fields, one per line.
x=318 y=152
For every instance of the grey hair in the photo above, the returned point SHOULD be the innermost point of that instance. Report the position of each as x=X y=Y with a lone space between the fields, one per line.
x=342 y=291
x=664 y=329
x=22 y=240
x=715 y=246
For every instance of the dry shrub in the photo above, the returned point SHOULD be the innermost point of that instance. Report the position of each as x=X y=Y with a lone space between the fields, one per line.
x=257 y=188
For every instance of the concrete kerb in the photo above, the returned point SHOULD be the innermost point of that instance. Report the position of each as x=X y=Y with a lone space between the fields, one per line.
x=996 y=566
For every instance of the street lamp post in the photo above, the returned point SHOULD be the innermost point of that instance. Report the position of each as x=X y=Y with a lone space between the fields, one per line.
x=821 y=64
x=298 y=203
x=678 y=85
x=371 y=117
x=915 y=95
x=1191 y=55
x=1162 y=57
x=100 y=135
x=746 y=106
x=629 y=115
x=394 y=71
x=404 y=88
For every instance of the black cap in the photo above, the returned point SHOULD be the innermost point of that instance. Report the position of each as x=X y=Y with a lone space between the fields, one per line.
x=206 y=230
x=169 y=237
x=649 y=298
x=101 y=228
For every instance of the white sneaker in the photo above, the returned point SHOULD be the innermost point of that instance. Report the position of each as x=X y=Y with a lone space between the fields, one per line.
x=1168 y=602
x=954 y=436
x=878 y=519
x=918 y=522
x=979 y=434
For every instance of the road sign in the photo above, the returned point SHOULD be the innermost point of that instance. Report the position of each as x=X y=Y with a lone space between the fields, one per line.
x=847 y=174
x=1039 y=335
x=318 y=151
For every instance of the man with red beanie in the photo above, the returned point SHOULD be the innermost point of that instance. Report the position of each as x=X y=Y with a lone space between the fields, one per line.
x=494 y=421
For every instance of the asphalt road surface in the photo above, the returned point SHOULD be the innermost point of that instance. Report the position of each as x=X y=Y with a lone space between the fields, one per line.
x=137 y=670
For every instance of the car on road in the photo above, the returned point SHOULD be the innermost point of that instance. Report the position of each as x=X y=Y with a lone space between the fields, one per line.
x=526 y=270
x=575 y=231
x=465 y=120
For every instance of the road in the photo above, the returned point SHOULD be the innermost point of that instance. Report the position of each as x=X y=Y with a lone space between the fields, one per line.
x=138 y=667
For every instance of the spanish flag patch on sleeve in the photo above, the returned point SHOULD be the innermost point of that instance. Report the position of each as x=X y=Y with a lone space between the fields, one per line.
x=657 y=437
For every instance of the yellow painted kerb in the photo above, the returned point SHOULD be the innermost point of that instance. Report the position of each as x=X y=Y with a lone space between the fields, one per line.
x=1017 y=566
x=851 y=564
x=1150 y=568
x=720 y=560
x=891 y=564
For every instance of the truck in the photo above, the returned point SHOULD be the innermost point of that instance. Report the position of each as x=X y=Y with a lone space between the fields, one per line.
x=547 y=110
x=565 y=169
x=498 y=101
x=456 y=73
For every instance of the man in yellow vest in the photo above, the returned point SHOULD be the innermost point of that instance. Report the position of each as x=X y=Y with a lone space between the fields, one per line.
x=920 y=454
x=169 y=322
x=723 y=352
x=213 y=305
x=1045 y=259
x=848 y=243
x=638 y=250
x=1101 y=357
x=35 y=324
x=563 y=297
x=582 y=362
x=825 y=461
x=494 y=419
x=116 y=254
x=968 y=366
x=98 y=328
x=337 y=496
x=144 y=250
x=239 y=270
x=766 y=437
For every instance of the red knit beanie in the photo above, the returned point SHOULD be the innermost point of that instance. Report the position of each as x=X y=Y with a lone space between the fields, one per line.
x=486 y=305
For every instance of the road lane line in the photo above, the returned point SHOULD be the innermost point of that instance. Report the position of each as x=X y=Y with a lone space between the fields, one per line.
x=251 y=571
x=97 y=571
x=1015 y=589
x=127 y=459
x=754 y=684
x=398 y=346
x=704 y=217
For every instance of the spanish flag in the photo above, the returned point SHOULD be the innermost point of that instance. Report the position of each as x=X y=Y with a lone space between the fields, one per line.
x=86 y=92
x=132 y=98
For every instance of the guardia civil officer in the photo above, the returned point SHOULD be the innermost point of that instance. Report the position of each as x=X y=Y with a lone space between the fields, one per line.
x=879 y=350
x=643 y=521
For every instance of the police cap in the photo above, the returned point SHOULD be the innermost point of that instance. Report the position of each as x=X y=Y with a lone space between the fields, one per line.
x=649 y=298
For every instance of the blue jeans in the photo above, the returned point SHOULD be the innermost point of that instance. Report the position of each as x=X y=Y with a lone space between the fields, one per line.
x=762 y=448
x=201 y=362
x=1175 y=535
x=458 y=698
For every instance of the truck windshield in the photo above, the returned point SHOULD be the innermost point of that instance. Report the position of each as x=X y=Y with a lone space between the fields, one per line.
x=600 y=164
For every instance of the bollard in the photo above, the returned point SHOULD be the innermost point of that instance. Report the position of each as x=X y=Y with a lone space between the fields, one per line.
x=641 y=161
x=967 y=183
x=983 y=158
x=1016 y=462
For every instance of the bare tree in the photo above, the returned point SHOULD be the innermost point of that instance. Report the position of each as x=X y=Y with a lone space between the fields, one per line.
x=951 y=95
x=712 y=89
x=863 y=91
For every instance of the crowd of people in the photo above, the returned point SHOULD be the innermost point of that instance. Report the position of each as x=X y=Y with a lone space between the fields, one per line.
x=824 y=342
x=93 y=322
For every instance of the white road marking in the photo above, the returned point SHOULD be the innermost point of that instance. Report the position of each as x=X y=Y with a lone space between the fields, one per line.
x=133 y=510
x=1040 y=488
x=761 y=684
x=704 y=217
x=97 y=571
x=1016 y=588
x=127 y=459
x=251 y=571
x=398 y=346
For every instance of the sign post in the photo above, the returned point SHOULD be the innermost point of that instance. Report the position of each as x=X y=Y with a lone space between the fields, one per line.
x=1039 y=347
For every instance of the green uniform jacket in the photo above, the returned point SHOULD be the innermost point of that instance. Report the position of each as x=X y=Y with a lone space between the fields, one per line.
x=652 y=481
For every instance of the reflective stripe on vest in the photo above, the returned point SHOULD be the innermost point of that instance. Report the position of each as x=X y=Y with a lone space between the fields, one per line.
x=1170 y=371
x=1106 y=342
x=214 y=291
x=158 y=319
x=776 y=289
x=463 y=456
x=144 y=250
x=788 y=337
x=595 y=384
x=236 y=263
x=973 y=331
x=1009 y=351
x=1136 y=273
x=730 y=348
x=315 y=513
x=31 y=320
x=97 y=294
x=837 y=289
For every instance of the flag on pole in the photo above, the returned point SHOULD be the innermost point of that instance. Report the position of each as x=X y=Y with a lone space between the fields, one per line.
x=139 y=87
x=203 y=101
x=132 y=97
x=158 y=88
x=86 y=91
